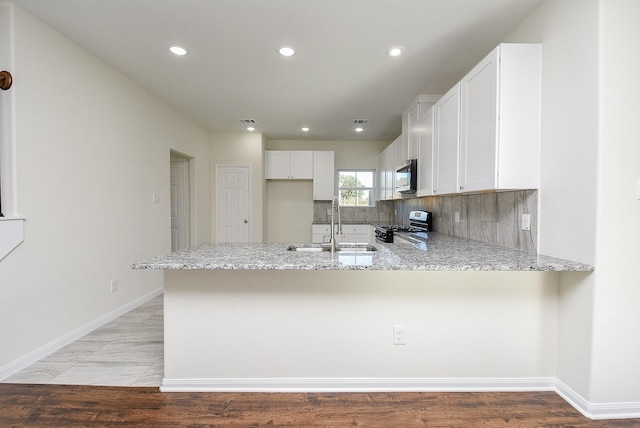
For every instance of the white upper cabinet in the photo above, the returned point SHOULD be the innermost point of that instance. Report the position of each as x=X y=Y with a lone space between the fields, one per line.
x=399 y=160
x=500 y=121
x=289 y=165
x=446 y=113
x=412 y=133
x=425 y=152
x=323 y=175
x=382 y=177
x=386 y=173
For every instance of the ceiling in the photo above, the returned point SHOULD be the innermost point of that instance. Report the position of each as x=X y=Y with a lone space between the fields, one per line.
x=340 y=71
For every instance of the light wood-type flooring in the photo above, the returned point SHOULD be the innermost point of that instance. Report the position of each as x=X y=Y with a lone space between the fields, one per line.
x=127 y=351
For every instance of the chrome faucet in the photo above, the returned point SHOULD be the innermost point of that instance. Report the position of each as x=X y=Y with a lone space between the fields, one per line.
x=335 y=202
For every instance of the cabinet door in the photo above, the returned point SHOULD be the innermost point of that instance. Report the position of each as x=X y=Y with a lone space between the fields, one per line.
x=302 y=165
x=320 y=233
x=413 y=131
x=399 y=158
x=446 y=131
x=389 y=173
x=425 y=152
x=478 y=125
x=355 y=233
x=381 y=177
x=323 y=175
x=278 y=164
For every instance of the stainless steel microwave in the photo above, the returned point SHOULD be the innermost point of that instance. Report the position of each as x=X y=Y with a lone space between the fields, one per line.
x=407 y=177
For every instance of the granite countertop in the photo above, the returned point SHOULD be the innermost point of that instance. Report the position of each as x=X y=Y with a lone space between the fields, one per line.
x=442 y=253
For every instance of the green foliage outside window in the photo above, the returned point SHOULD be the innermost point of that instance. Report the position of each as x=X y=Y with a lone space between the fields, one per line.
x=355 y=188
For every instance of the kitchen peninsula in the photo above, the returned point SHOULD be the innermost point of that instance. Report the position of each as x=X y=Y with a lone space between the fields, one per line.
x=257 y=317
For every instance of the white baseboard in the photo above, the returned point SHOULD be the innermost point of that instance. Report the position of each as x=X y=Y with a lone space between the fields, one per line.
x=625 y=410
x=590 y=410
x=41 y=352
x=357 y=384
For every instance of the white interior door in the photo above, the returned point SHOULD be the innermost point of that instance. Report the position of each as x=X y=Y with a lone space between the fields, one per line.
x=232 y=204
x=179 y=182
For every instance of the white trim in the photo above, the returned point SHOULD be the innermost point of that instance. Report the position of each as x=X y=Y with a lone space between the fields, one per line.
x=590 y=410
x=622 y=410
x=357 y=384
x=41 y=352
x=11 y=234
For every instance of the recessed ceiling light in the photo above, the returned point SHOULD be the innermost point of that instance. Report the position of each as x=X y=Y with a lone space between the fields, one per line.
x=286 y=51
x=305 y=129
x=251 y=128
x=395 y=51
x=178 y=50
x=359 y=129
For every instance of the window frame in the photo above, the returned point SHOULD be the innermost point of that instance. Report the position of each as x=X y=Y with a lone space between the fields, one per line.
x=372 y=189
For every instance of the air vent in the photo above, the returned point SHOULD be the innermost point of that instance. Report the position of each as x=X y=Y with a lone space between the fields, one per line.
x=248 y=121
x=360 y=121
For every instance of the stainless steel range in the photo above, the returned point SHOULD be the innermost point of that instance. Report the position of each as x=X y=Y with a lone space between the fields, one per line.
x=419 y=225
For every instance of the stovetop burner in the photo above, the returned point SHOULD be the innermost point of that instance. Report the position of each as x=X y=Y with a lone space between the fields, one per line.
x=401 y=228
x=419 y=225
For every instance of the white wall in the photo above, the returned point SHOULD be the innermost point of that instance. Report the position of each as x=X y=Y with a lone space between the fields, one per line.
x=616 y=343
x=588 y=207
x=485 y=326
x=568 y=31
x=92 y=148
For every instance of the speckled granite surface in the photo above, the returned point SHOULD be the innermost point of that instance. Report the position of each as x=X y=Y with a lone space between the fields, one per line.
x=442 y=253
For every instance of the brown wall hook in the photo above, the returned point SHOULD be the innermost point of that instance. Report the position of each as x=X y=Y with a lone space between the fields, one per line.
x=5 y=80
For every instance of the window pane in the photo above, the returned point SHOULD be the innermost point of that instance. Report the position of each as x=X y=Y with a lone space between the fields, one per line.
x=364 y=196
x=347 y=179
x=355 y=188
x=365 y=178
x=347 y=197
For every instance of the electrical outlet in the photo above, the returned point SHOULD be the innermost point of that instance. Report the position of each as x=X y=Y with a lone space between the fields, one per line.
x=156 y=198
x=114 y=285
x=399 y=334
x=525 y=223
x=457 y=216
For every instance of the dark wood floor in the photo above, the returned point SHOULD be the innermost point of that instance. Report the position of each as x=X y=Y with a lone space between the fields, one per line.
x=91 y=406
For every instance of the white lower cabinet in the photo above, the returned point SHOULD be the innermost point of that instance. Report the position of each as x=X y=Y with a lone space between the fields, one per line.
x=351 y=233
x=355 y=233
x=320 y=233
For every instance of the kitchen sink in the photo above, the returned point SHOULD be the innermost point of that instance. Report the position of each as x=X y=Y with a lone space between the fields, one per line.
x=342 y=248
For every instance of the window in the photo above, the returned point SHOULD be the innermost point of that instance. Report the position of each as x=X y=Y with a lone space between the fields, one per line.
x=355 y=188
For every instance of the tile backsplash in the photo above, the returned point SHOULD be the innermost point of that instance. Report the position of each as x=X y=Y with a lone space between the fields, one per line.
x=383 y=212
x=488 y=217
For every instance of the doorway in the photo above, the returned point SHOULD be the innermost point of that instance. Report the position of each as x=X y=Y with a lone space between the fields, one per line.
x=179 y=184
x=232 y=204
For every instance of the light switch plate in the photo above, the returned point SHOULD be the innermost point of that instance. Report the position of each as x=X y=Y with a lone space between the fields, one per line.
x=526 y=222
